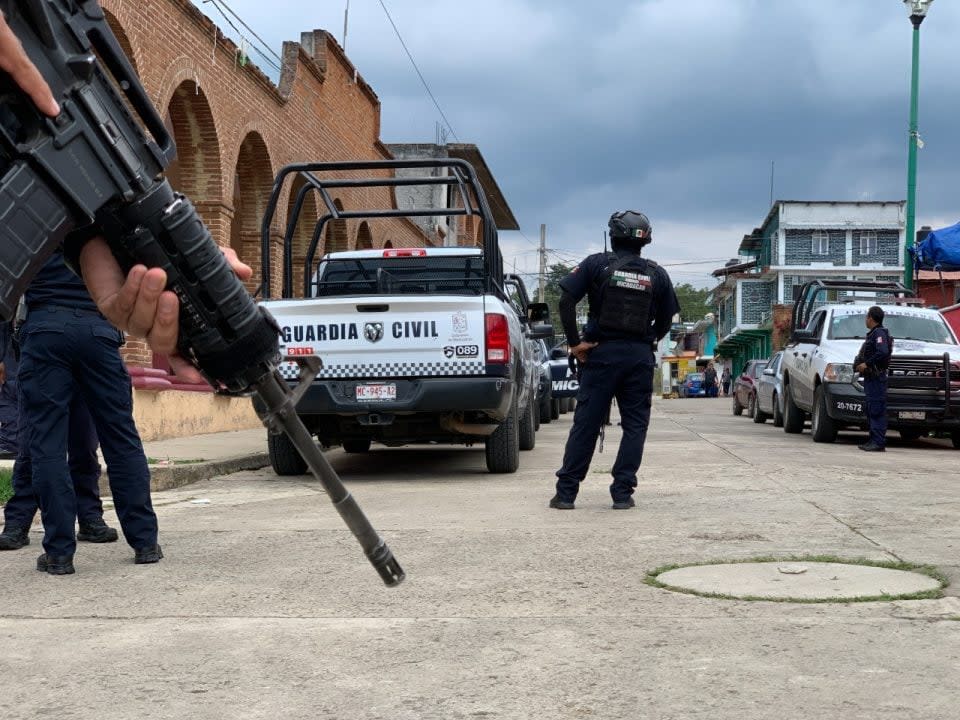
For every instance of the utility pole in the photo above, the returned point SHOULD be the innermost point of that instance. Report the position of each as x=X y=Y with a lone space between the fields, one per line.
x=543 y=262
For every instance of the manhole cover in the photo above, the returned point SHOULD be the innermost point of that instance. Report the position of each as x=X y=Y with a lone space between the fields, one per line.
x=798 y=580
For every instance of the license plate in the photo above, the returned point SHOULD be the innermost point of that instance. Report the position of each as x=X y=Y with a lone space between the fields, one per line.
x=849 y=406
x=912 y=415
x=376 y=393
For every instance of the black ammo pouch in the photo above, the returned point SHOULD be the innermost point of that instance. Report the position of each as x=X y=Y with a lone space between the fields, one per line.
x=626 y=294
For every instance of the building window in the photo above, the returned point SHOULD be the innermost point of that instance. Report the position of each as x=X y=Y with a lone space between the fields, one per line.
x=868 y=243
x=821 y=242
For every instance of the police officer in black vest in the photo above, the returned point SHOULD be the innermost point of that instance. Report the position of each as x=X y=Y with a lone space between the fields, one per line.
x=632 y=304
x=872 y=361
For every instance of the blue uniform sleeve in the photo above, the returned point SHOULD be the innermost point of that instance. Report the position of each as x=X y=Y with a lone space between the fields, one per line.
x=665 y=303
x=577 y=283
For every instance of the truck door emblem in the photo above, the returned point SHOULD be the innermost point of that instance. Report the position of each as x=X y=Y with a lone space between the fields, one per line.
x=373 y=332
x=459 y=323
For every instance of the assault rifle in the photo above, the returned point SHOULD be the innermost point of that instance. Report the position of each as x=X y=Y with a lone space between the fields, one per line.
x=97 y=169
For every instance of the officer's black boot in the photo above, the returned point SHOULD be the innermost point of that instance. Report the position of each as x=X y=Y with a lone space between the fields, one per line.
x=97 y=531
x=147 y=555
x=557 y=504
x=56 y=564
x=14 y=538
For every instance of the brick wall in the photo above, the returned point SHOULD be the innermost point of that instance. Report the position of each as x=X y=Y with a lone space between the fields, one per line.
x=235 y=129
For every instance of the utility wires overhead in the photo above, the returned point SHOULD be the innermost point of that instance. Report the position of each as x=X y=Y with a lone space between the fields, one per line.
x=417 y=69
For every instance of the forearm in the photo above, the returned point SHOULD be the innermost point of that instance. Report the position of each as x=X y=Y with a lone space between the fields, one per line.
x=568 y=319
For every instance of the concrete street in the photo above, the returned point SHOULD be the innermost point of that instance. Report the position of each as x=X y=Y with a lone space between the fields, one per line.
x=265 y=607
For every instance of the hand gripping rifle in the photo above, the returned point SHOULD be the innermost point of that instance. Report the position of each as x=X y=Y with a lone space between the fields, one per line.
x=95 y=170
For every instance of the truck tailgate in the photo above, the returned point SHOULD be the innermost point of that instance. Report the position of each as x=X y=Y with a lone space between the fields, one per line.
x=384 y=337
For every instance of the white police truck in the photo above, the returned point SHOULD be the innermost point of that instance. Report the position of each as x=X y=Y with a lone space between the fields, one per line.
x=819 y=379
x=417 y=345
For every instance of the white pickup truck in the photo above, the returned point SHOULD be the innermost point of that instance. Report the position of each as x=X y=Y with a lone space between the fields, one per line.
x=818 y=374
x=418 y=345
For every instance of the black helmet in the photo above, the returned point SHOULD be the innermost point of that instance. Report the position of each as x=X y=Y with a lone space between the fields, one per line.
x=632 y=226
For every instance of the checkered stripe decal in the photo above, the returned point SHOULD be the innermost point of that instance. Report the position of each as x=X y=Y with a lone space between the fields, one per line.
x=290 y=370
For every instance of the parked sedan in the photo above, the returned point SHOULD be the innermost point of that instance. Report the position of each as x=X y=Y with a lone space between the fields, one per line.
x=745 y=387
x=693 y=385
x=770 y=392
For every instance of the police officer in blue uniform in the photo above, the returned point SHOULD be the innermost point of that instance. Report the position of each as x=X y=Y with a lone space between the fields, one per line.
x=68 y=347
x=9 y=407
x=20 y=510
x=632 y=304
x=872 y=361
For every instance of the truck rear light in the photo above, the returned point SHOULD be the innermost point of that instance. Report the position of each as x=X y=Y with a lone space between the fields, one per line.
x=404 y=252
x=497 y=338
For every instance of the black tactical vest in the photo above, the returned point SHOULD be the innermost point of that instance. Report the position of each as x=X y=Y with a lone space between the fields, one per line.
x=626 y=293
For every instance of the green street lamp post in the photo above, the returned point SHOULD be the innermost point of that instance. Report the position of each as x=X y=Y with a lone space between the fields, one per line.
x=918 y=11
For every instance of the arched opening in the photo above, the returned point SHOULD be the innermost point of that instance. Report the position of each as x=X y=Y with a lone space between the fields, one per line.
x=303 y=234
x=196 y=172
x=337 y=238
x=122 y=38
x=388 y=244
x=364 y=238
x=252 y=183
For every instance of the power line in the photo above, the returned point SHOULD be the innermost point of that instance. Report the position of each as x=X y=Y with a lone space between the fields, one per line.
x=252 y=31
x=237 y=30
x=420 y=74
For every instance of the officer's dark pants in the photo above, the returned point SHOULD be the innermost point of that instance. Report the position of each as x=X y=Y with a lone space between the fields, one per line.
x=622 y=369
x=65 y=352
x=9 y=405
x=876 y=391
x=84 y=472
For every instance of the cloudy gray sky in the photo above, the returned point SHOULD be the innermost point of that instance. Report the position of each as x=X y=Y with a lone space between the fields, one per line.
x=673 y=107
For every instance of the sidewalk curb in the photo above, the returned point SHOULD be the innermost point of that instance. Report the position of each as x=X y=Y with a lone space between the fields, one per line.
x=170 y=477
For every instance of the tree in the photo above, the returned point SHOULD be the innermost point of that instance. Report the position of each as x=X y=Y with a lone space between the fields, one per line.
x=693 y=302
x=555 y=273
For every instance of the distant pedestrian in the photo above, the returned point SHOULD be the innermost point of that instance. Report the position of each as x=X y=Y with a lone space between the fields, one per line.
x=725 y=381
x=872 y=361
x=710 y=380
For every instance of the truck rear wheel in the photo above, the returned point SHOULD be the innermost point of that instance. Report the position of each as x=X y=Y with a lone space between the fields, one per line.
x=528 y=427
x=823 y=429
x=284 y=457
x=792 y=415
x=555 y=408
x=503 y=446
x=955 y=437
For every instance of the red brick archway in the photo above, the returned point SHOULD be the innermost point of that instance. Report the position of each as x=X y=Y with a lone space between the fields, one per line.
x=364 y=237
x=303 y=235
x=123 y=39
x=338 y=238
x=253 y=180
x=197 y=171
